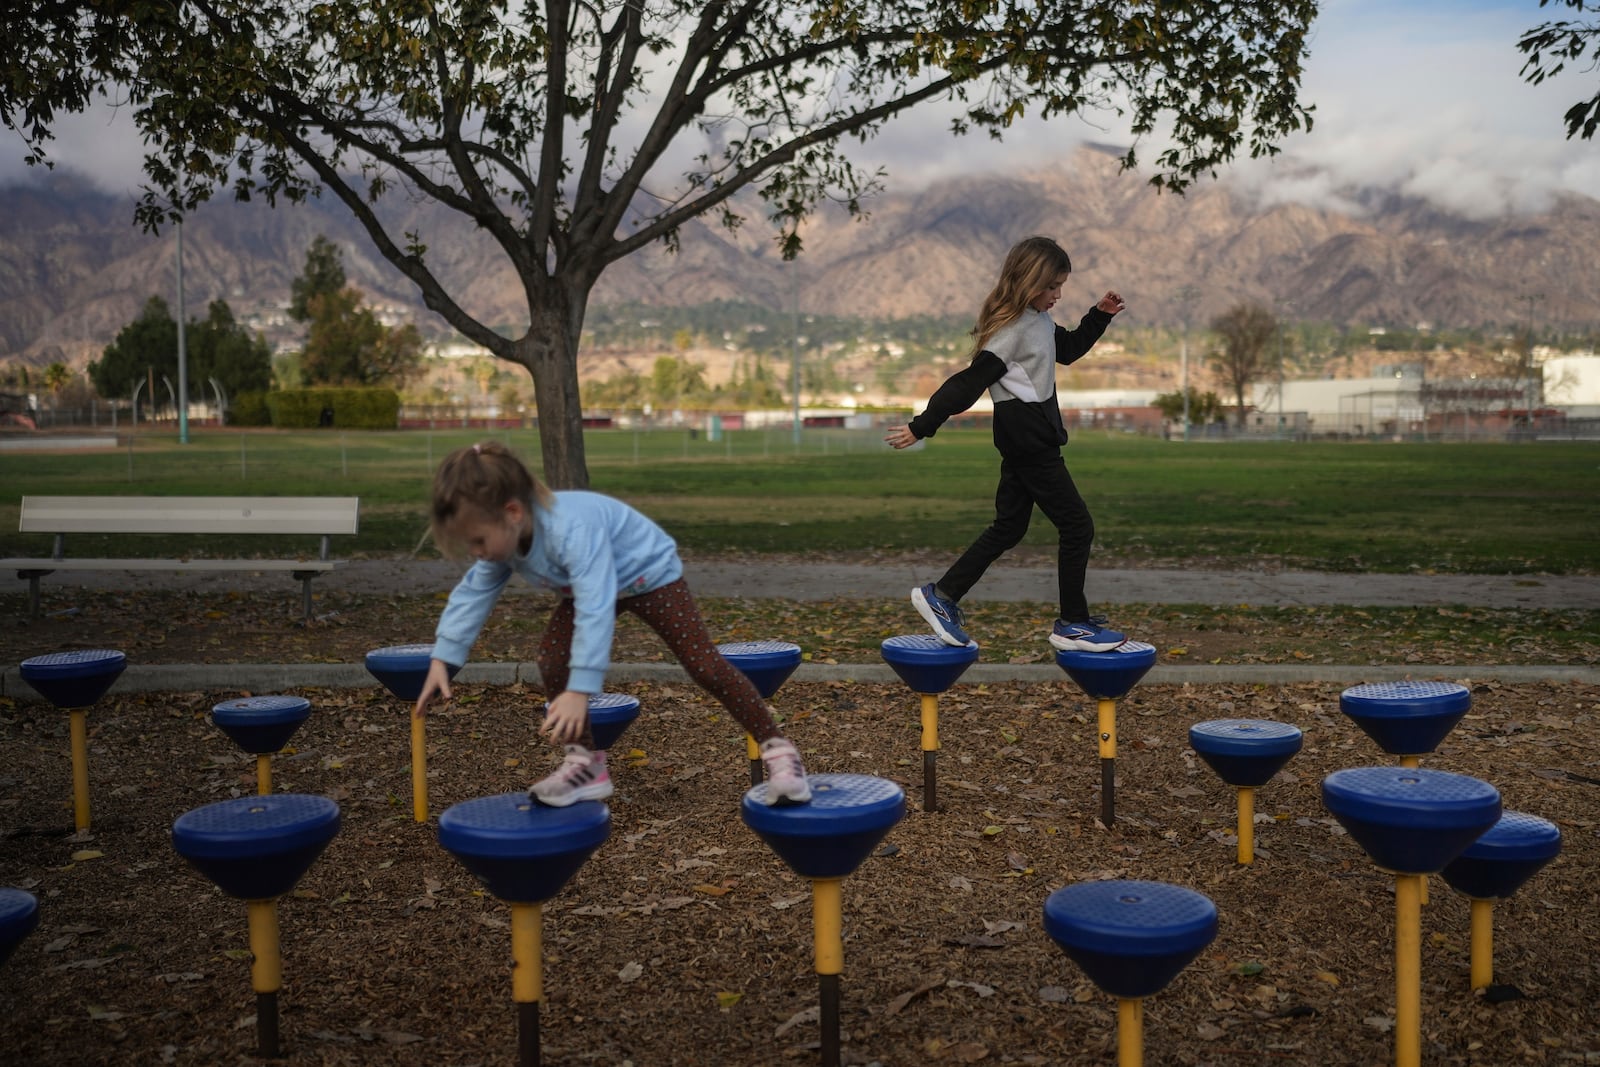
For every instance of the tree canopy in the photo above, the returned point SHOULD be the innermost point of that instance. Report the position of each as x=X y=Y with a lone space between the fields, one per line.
x=347 y=345
x=217 y=347
x=345 y=342
x=1550 y=46
x=575 y=134
x=1244 y=354
x=323 y=275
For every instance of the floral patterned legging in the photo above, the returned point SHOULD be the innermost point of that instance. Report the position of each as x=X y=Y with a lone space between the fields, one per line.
x=671 y=612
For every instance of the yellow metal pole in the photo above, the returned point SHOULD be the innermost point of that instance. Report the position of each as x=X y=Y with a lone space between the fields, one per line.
x=930 y=752
x=79 y=719
x=827 y=940
x=527 y=948
x=264 y=774
x=1107 y=712
x=1408 y=970
x=419 y=769
x=930 y=722
x=1247 y=824
x=753 y=752
x=527 y=978
x=266 y=970
x=827 y=925
x=1482 y=943
x=1130 y=1032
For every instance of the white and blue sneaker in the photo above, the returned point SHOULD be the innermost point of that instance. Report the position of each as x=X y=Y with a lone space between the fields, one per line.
x=1089 y=636
x=941 y=614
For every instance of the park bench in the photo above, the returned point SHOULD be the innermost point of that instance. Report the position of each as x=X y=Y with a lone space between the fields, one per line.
x=321 y=516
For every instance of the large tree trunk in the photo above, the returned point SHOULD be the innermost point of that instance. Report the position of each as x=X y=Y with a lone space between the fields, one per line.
x=550 y=352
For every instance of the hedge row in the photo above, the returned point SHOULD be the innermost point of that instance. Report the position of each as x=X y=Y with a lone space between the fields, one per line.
x=298 y=409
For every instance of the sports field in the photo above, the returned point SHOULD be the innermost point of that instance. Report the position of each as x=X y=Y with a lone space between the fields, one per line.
x=1447 y=508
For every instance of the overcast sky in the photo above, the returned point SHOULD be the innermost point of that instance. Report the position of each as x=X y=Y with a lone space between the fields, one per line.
x=1422 y=94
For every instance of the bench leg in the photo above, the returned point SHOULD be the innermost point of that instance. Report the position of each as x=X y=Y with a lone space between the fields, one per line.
x=33 y=592
x=304 y=578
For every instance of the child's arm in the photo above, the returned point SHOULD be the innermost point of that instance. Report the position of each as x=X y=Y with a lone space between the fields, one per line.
x=1073 y=345
x=591 y=566
x=464 y=615
x=958 y=393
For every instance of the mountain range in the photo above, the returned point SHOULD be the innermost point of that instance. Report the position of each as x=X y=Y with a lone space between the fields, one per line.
x=74 y=268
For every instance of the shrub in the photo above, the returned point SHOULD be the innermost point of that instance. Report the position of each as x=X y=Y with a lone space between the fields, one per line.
x=348 y=408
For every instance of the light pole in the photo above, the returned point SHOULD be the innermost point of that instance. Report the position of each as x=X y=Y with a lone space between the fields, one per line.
x=1186 y=297
x=1527 y=357
x=1280 y=380
x=1288 y=307
x=183 y=356
x=794 y=347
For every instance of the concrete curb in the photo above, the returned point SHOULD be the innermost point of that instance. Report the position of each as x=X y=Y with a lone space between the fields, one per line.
x=275 y=677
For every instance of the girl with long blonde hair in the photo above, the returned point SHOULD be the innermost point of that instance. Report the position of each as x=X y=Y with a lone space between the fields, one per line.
x=1016 y=349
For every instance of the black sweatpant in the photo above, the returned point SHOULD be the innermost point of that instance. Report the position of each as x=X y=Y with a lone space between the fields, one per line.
x=1038 y=480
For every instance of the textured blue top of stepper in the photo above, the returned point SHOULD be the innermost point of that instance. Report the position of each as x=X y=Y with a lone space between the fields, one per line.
x=1409 y=798
x=401 y=658
x=512 y=826
x=262 y=710
x=614 y=705
x=925 y=648
x=243 y=827
x=1397 y=699
x=1245 y=737
x=1141 y=651
x=840 y=804
x=1130 y=918
x=1517 y=837
x=81 y=663
x=760 y=653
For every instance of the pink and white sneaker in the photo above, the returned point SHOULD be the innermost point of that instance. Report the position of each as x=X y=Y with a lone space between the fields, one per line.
x=786 y=778
x=581 y=776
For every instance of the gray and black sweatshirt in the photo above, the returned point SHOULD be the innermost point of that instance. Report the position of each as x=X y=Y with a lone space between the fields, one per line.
x=1018 y=367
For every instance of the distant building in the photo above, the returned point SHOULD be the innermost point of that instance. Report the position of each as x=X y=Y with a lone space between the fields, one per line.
x=1401 y=401
x=1573 y=384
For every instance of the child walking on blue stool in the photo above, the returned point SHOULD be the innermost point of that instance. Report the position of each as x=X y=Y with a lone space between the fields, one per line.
x=600 y=556
x=1016 y=350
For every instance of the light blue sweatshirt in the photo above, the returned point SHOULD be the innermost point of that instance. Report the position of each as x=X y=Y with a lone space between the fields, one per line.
x=585 y=546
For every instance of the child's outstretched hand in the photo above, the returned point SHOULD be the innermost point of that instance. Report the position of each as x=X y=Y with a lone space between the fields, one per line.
x=437 y=683
x=1112 y=302
x=900 y=437
x=564 y=719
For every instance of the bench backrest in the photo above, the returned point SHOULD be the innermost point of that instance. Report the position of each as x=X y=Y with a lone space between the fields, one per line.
x=322 y=515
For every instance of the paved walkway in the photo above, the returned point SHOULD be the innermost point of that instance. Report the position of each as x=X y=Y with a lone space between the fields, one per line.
x=1222 y=588
x=894 y=579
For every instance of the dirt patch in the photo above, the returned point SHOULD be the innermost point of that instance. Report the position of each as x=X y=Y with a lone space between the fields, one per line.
x=262 y=626
x=685 y=941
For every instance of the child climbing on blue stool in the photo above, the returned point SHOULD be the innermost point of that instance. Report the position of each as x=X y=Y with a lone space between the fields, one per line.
x=1016 y=349
x=600 y=556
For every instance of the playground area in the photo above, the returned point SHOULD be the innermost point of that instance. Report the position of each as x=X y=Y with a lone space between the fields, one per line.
x=685 y=940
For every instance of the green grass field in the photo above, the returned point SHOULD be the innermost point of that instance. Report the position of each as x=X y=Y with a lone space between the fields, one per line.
x=1456 y=508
